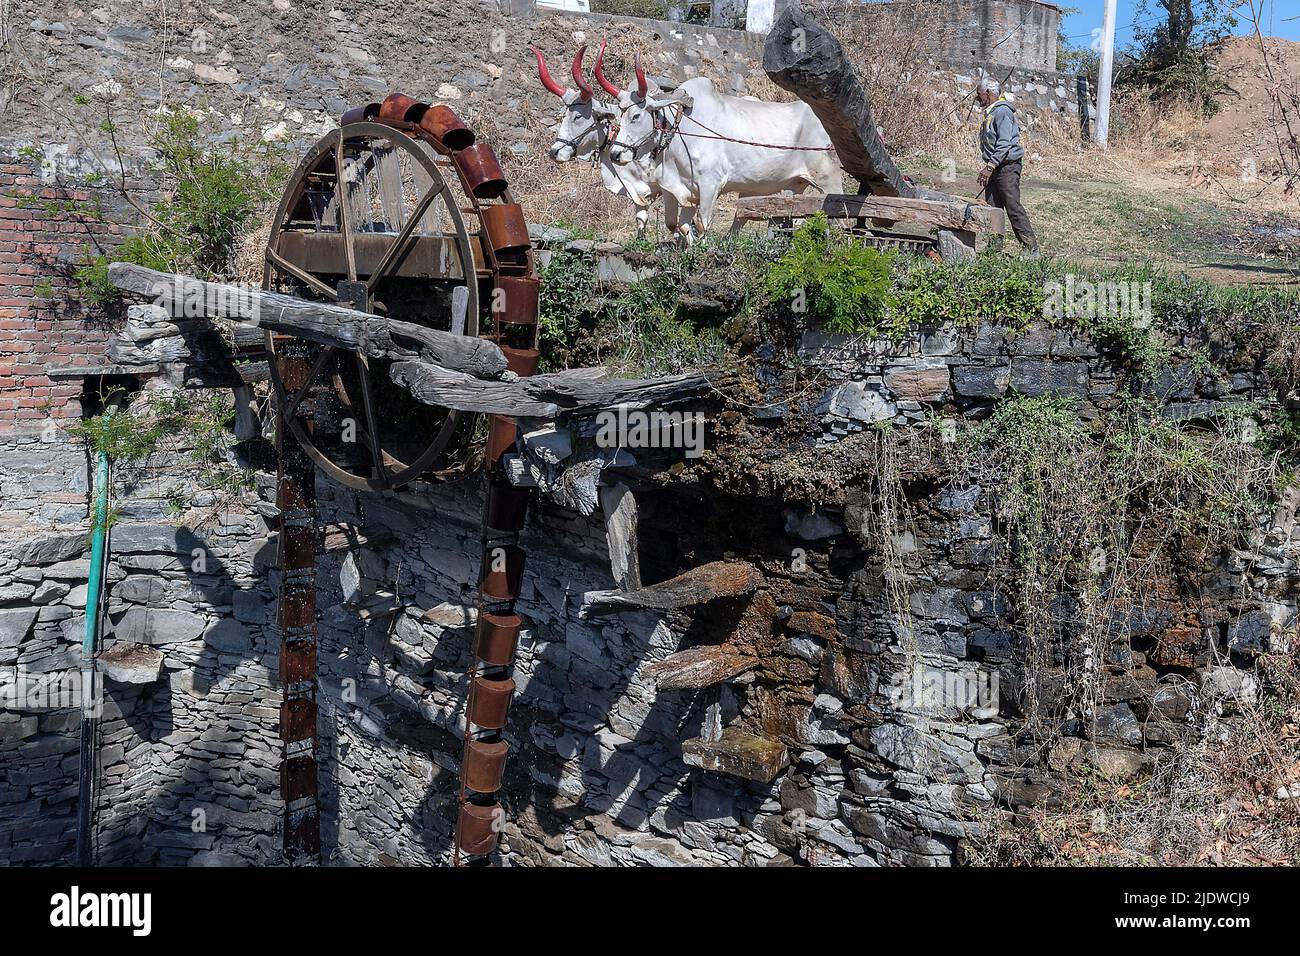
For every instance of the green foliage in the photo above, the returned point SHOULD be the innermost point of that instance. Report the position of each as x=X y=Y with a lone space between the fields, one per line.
x=991 y=288
x=1172 y=56
x=568 y=283
x=1094 y=516
x=197 y=425
x=841 y=282
x=646 y=327
x=210 y=197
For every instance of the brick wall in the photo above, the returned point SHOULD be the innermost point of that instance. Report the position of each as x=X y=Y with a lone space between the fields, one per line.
x=44 y=232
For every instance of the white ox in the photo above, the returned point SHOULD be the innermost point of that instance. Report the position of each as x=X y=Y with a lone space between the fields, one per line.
x=698 y=143
x=583 y=135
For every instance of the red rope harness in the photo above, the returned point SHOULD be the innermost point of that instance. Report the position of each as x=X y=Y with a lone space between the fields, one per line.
x=731 y=139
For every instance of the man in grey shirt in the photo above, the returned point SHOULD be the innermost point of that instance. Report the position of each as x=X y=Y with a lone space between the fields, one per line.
x=1003 y=156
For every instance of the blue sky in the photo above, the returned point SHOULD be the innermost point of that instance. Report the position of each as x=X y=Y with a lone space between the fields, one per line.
x=1080 y=25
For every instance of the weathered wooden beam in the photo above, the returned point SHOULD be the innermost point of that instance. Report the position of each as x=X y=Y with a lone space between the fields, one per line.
x=320 y=322
x=699 y=667
x=738 y=754
x=803 y=57
x=575 y=391
x=708 y=582
x=438 y=368
x=945 y=214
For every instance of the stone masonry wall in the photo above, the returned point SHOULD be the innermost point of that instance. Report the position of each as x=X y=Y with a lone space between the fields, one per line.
x=597 y=775
x=188 y=756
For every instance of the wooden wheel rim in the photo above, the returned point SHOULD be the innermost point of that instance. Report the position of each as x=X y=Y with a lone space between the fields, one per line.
x=332 y=144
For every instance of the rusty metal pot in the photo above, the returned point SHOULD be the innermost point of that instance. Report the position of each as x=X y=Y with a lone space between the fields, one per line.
x=442 y=123
x=507 y=507
x=506 y=228
x=496 y=637
x=503 y=569
x=485 y=761
x=399 y=107
x=297 y=719
x=479 y=165
x=514 y=302
x=478 y=826
x=501 y=438
x=359 y=114
x=523 y=362
x=489 y=701
x=297 y=661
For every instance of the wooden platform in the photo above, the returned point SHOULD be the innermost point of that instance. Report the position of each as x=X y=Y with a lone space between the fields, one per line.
x=883 y=211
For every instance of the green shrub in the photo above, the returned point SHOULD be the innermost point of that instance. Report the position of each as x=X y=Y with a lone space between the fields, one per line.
x=835 y=279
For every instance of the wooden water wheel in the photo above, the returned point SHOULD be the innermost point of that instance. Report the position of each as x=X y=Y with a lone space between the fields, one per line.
x=398 y=213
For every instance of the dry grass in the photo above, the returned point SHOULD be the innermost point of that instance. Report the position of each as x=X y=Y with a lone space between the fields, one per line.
x=890 y=50
x=1227 y=796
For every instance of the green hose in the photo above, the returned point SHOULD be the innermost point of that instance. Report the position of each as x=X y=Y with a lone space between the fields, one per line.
x=96 y=580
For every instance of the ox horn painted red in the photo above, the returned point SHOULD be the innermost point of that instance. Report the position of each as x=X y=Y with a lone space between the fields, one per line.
x=642 y=87
x=583 y=86
x=545 y=75
x=607 y=86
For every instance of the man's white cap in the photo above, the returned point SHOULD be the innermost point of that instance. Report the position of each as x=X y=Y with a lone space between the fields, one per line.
x=990 y=84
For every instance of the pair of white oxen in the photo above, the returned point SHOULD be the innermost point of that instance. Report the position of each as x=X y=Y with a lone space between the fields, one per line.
x=689 y=145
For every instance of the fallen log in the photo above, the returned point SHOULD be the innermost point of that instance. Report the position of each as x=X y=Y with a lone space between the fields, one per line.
x=708 y=582
x=803 y=57
x=459 y=372
x=573 y=392
x=319 y=322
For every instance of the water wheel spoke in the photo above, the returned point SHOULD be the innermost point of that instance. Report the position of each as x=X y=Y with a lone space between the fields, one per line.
x=316 y=368
x=368 y=406
x=391 y=254
x=345 y=213
x=301 y=275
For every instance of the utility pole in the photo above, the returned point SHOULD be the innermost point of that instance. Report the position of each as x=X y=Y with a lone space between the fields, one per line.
x=1103 y=74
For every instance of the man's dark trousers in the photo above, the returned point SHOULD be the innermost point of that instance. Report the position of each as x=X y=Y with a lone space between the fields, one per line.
x=1003 y=191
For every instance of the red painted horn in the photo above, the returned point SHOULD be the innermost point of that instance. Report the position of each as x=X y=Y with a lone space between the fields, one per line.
x=545 y=75
x=642 y=87
x=583 y=86
x=607 y=86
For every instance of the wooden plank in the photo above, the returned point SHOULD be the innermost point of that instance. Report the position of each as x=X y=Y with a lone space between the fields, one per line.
x=954 y=214
x=698 y=667
x=426 y=257
x=708 y=582
x=541 y=396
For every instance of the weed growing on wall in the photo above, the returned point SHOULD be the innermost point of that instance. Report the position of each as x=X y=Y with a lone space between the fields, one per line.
x=647 y=327
x=210 y=197
x=827 y=274
x=1093 y=517
x=196 y=426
